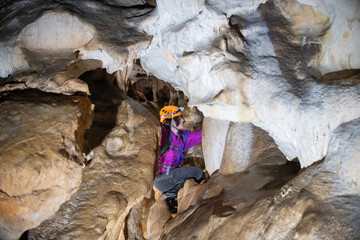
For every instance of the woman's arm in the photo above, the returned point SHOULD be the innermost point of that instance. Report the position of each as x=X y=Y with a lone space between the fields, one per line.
x=194 y=138
x=164 y=137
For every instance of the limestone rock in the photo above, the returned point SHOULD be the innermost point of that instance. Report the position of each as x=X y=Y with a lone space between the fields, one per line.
x=234 y=60
x=261 y=210
x=66 y=34
x=41 y=156
x=320 y=202
x=123 y=137
x=232 y=147
x=343 y=157
x=238 y=148
x=256 y=69
x=214 y=135
x=59 y=41
x=188 y=193
x=222 y=198
x=341 y=39
x=158 y=216
x=289 y=67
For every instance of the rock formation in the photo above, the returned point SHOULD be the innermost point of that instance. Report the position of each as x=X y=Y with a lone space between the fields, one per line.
x=41 y=156
x=273 y=83
x=260 y=62
x=271 y=200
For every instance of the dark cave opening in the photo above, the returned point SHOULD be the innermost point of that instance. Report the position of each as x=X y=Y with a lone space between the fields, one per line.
x=149 y=94
x=107 y=96
x=25 y=235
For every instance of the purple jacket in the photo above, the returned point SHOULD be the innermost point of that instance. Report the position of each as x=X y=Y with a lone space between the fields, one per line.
x=173 y=157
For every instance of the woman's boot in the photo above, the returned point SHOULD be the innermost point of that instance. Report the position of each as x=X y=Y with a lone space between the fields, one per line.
x=171 y=204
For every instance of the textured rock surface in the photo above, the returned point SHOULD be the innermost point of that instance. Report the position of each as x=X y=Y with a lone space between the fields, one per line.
x=271 y=200
x=253 y=61
x=40 y=159
x=53 y=43
x=255 y=66
x=124 y=137
x=246 y=145
x=261 y=202
x=226 y=198
x=214 y=134
x=238 y=148
x=290 y=67
x=158 y=216
x=232 y=147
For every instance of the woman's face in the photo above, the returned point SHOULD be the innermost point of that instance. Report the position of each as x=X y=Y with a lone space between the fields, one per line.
x=180 y=126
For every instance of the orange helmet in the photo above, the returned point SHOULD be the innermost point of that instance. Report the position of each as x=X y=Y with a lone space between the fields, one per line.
x=169 y=112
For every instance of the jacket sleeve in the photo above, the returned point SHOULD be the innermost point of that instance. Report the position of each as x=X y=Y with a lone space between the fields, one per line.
x=164 y=137
x=194 y=138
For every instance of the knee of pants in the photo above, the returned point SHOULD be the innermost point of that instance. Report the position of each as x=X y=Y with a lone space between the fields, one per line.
x=197 y=173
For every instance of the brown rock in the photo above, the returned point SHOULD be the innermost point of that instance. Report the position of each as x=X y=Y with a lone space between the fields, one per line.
x=40 y=157
x=221 y=208
x=271 y=200
x=158 y=216
x=188 y=194
x=124 y=137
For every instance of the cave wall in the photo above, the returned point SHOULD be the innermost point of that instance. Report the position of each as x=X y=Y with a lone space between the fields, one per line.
x=259 y=62
x=253 y=61
x=41 y=156
x=289 y=68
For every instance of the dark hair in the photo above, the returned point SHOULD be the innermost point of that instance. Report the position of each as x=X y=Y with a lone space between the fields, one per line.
x=167 y=122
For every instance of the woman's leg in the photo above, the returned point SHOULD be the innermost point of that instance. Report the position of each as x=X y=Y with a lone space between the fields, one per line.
x=170 y=184
x=184 y=173
x=165 y=182
x=181 y=175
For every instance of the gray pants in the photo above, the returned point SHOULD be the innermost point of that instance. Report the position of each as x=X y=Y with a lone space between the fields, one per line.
x=165 y=182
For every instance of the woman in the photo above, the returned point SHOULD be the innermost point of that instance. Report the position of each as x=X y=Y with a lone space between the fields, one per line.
x=175 y=141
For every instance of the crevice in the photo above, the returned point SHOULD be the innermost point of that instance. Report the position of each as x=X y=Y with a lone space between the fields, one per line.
x=234 y=23
x=25 y=236
x=126 y=222
x=106 y=97
x=5 y=193
x=32 y=193
x=349 y=77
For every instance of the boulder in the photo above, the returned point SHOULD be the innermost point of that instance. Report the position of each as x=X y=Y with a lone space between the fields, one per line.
x=124 y=137
x=41 y=156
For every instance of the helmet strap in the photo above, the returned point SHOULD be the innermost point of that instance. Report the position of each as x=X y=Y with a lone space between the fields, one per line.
x=172 y=125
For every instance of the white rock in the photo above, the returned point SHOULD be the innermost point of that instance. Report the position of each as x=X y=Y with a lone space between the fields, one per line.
x=12 y=60
x=214 y=138
x=341 y=45
x=220 y=87
x=231 y=7
x=56 y=32
x=114 y=146
x=344 y=156
x=178 y=27
x=238 y=149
